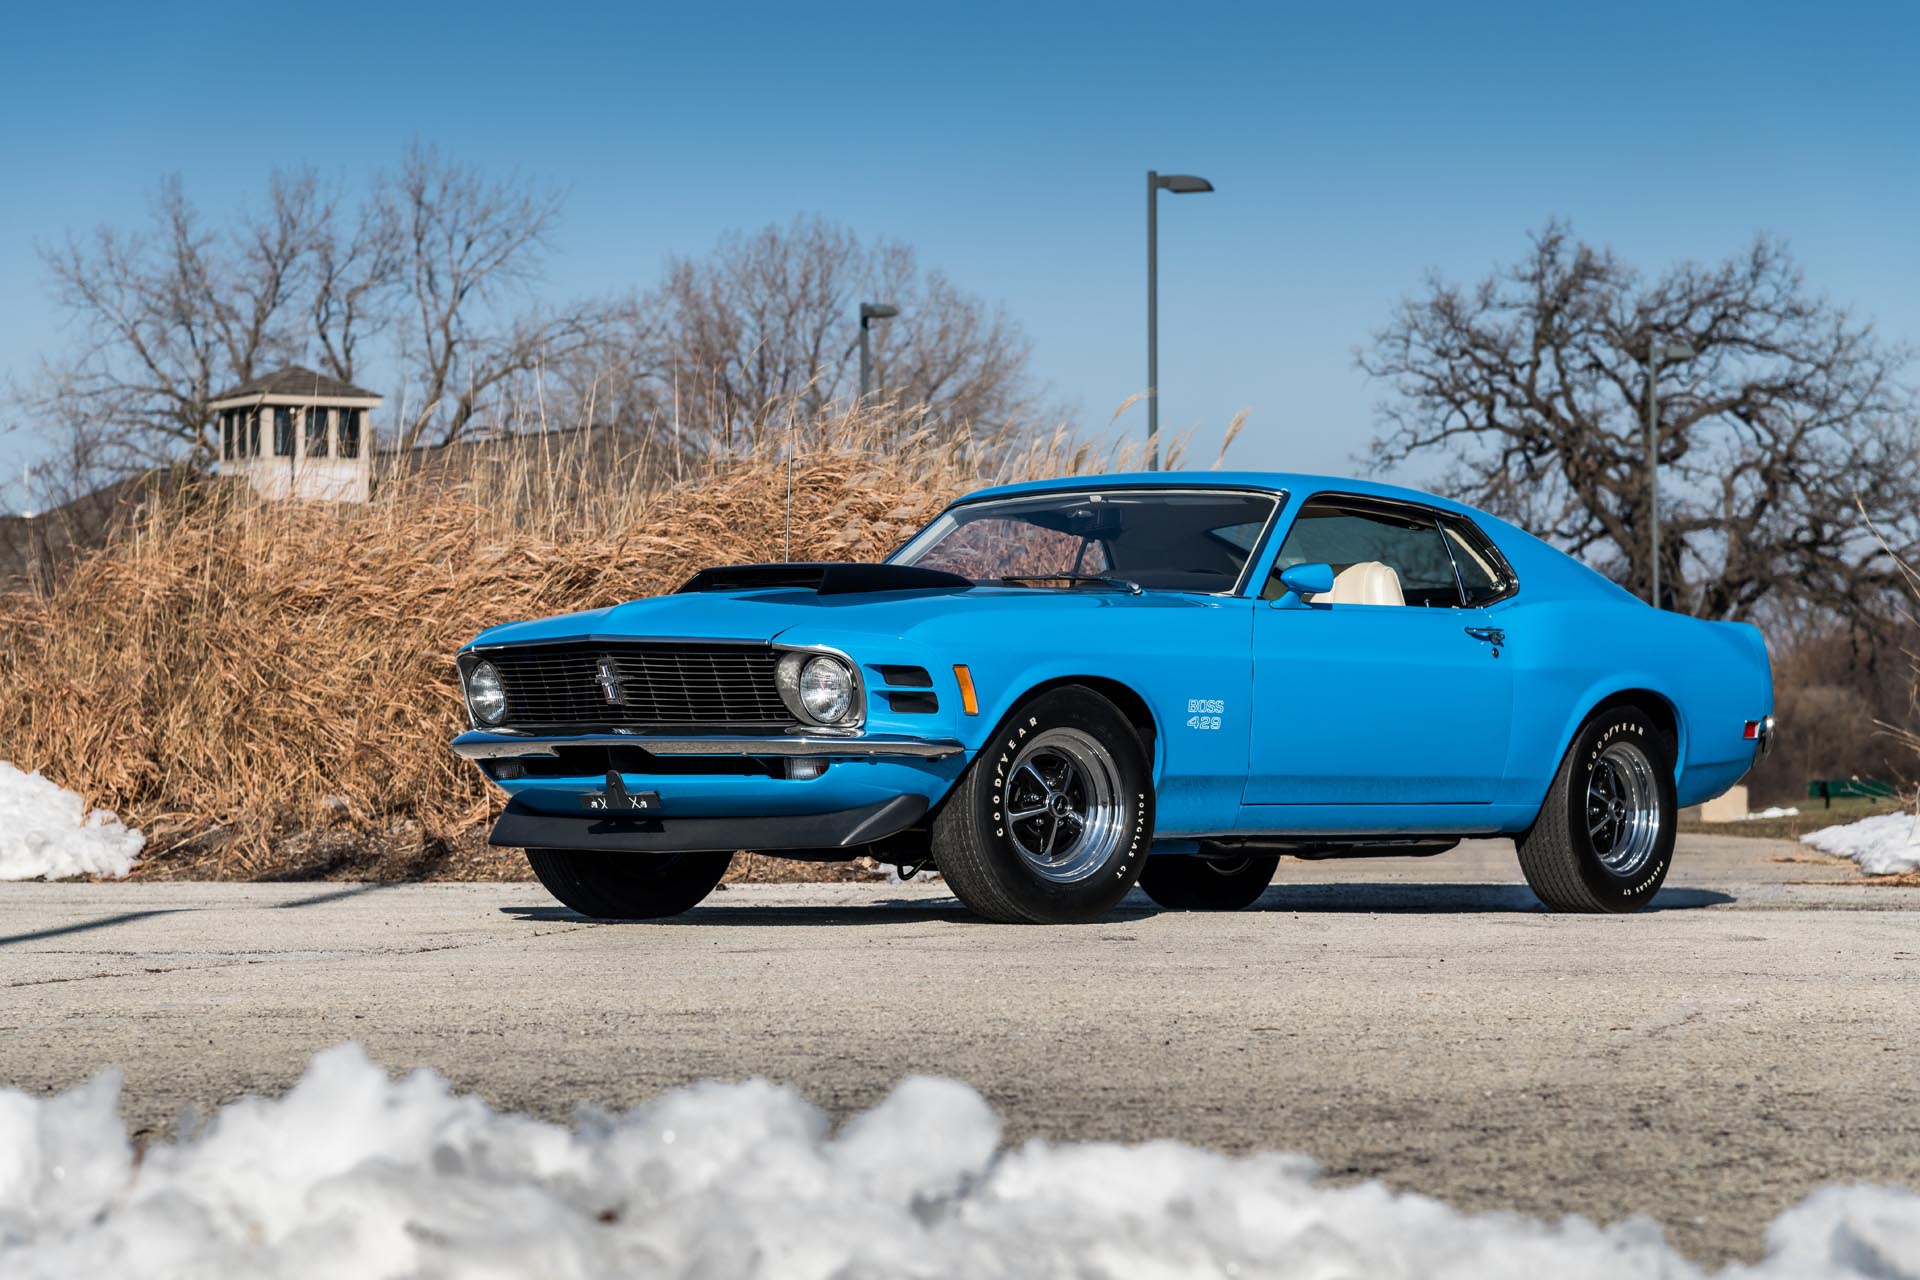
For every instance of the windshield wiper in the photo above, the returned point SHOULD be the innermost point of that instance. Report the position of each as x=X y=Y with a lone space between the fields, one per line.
x=1127 y=585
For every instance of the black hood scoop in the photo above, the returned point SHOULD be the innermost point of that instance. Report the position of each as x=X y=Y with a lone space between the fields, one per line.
x=829 y=579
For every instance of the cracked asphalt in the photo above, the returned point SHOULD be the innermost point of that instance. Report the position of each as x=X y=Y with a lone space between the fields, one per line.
x=1415 y=1020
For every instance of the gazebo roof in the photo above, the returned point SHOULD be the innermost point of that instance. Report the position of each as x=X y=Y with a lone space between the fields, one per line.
x=296 y=384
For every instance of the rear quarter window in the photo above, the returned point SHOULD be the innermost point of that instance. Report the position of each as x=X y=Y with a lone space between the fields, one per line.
x=1485 y=575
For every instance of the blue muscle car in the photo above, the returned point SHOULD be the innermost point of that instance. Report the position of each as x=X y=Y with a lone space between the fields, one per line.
x=1059 y=689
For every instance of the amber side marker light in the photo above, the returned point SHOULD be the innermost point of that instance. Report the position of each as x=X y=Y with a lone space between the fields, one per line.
x=969 y=703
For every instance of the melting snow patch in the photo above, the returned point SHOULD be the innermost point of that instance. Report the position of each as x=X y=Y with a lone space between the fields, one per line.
x=1775 y=812
x=352 y=1173
x=1883 y=845
x=46 y=832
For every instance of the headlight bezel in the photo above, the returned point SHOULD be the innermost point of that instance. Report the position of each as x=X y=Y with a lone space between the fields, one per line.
x=789 y=675
x=470 y=677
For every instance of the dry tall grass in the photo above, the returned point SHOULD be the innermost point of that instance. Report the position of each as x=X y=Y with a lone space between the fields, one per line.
x=269 y=668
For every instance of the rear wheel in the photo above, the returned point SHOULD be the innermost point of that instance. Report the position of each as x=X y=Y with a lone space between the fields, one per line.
x=1191 y=883
x=1604 y=837
x=628 y=886
x=1050 y=824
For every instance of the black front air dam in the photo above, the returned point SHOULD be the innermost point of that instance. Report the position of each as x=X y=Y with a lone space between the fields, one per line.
x=849 y=829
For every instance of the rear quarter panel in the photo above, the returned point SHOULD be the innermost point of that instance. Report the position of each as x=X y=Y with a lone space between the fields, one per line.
x=1577 y=640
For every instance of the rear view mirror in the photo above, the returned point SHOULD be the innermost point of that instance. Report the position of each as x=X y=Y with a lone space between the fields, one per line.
x=1305 y=580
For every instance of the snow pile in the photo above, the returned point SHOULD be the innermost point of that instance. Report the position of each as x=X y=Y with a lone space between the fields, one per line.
x=1774 y=812
x=355 y=1174
x=1883 y=845
x=46 y=832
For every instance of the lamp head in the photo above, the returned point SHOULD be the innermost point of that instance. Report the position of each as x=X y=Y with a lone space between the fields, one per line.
x=1181 y=184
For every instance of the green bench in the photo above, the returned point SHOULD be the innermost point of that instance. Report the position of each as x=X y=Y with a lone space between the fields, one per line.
x=1830 y=789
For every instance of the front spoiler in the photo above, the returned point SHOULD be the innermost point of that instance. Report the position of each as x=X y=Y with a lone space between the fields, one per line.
x=481 y=744
x=521 y=827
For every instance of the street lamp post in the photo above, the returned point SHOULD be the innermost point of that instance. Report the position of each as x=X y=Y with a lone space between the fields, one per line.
x=1656 y=353
x=1180 y=184
x=871 y=311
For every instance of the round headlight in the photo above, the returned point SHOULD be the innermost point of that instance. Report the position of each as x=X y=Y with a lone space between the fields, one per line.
x=826 y=689
x=486 y=697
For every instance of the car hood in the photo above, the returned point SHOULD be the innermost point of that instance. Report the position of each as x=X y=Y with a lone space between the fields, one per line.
x=769 y=615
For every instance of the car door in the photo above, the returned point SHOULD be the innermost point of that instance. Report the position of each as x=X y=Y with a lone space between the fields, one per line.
x=1389 y=690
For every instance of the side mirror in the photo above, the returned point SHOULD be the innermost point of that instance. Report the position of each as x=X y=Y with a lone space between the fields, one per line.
x=1304 y=580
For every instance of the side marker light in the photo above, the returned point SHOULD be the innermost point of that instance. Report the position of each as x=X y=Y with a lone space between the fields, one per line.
x=969 y=702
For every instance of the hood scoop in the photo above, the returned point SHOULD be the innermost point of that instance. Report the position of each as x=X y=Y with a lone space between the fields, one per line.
x=828 y=579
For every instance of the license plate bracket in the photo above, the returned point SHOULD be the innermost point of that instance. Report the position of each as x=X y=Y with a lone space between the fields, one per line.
x=617 y=798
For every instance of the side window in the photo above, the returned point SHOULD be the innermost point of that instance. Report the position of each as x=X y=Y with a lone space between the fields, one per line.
x=1484 y=573
x=1380 y=555
x=316 y=433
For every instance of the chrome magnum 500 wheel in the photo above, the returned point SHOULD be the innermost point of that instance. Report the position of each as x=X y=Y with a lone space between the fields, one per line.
x=1604 y=837
x=1051 y=822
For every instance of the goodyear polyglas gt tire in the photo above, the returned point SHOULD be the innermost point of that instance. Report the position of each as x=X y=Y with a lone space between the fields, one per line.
x=1051 y=822
x=1604 y=837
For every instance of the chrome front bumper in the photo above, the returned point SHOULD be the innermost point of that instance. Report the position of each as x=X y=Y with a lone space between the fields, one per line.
x=481 y=744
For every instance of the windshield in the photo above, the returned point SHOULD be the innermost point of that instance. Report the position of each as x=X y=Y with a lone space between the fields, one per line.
x=1158 y=539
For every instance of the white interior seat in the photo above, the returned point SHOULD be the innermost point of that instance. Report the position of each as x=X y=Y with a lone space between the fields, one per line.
x=1368 y=582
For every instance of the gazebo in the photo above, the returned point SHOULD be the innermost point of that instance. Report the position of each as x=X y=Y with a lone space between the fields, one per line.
x=298 y=434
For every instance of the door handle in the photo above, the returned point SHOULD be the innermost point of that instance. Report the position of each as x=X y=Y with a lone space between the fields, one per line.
x=1492 y=635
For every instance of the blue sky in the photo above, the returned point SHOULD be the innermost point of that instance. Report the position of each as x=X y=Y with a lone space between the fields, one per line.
x=1354 y=149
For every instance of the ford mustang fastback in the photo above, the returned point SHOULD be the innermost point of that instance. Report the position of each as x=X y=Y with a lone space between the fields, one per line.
x=1057 y=690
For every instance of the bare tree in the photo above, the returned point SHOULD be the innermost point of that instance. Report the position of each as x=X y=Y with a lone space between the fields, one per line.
x=467 y=245
x=772 y=318
x=171 y=316
x=355 y=277
x=157 y=334
x=1532 y=385
x=430 y=275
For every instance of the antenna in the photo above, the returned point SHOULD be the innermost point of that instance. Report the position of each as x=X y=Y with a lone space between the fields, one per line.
x=789 y=556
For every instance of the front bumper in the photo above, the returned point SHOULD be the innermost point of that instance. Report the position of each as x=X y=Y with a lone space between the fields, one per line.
x=713 y=791
x=500 y=744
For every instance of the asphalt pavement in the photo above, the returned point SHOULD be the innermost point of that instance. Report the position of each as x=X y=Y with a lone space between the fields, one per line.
x=1421 y=1021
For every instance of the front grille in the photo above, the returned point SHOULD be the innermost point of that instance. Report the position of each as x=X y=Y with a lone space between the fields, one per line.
x=654 y=684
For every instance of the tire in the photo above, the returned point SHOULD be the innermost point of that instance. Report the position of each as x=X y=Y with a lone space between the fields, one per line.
x=628 y=886
x=1604 y=839
x=1192 y=883
x=1080 y=774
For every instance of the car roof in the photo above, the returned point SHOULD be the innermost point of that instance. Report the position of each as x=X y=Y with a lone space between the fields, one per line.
x=1292 y=482
x=1544 y=570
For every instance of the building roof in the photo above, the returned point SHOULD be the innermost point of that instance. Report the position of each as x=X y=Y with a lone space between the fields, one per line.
x=296 y=382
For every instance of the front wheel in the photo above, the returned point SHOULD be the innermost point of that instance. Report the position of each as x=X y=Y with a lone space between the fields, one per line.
x=628 y=886
x=1604 y=837
x=1051 y=822
x=1181 y=882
